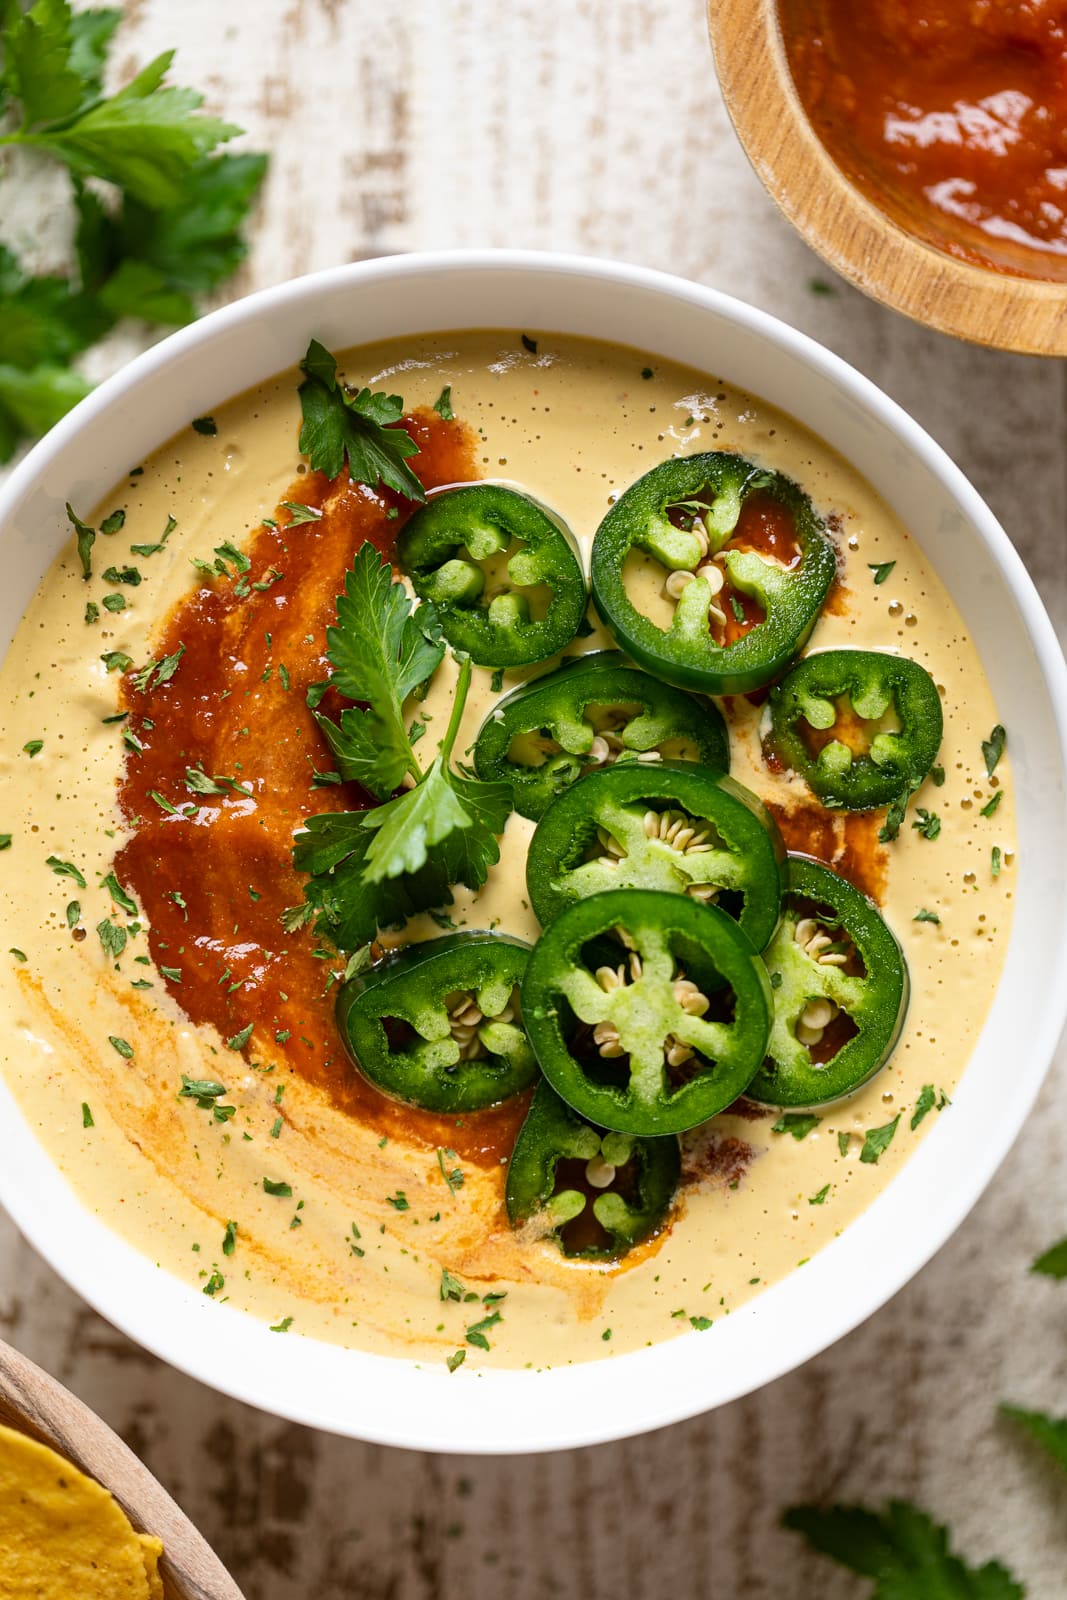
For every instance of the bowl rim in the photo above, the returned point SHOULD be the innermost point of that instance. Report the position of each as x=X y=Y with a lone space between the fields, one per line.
x=577 y=1415
x=866 y=245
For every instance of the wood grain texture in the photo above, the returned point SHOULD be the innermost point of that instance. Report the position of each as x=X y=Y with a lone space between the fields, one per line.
x=595 y=126
x=37 y=1405
x=854 y=236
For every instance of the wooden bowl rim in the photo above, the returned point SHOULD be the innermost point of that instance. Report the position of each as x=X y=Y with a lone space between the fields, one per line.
x=40 y=1407
x=851 y=234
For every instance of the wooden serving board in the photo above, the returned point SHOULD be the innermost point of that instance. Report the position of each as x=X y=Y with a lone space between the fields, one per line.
x=37 y=1405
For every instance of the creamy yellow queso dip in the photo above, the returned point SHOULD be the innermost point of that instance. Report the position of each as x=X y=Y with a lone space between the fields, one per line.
x=573 y=423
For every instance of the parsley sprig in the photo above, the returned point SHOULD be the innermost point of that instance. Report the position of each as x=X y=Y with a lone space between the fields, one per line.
x=372 y=869
x=359 y=428
x=165 y=229
x=903 y=1550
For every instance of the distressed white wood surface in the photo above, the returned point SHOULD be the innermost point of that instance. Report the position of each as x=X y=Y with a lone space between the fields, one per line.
x=595 y=125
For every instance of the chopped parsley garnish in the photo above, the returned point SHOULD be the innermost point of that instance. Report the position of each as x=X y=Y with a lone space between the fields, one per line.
x=127 y=575
x=159 y=672
x=398 y=1201
x=124 y=1049
x=215 y=1284
x=20 y=955
x=66 y=869
x=5 y=841
x=903 y=1550
x=206 y=426
x=456 y=1359
x=451 y=1287
x=995 y=861
x=926 y=916
x=991 y=805
x=119 y=894
x=299 y=514
x=797 y=1123
x=927 y=823
x=360 y=429
x=281 y=1189
x=73 y=914
x=92 y=612
x=475 y=1334
x=881 y=569
x=925 y=1103
x=85 y=538
x=819 y=1198
x=993 y=748
x=529 y=344
x=116 y=661
x=87 y=1116
x=452 y=1175
x=229 y=1239
x=700 y=1323
x=154 y=549
x=877 y=1140
x=114 y=602
x=112 y=937
x=843 y=1142
x=443 y=404
x=238 y=1041
x=33 y=747
x=114 y=523
x=283 y=1326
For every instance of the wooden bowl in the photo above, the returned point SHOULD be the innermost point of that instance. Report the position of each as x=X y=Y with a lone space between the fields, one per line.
x=849 y=232
x=37 y=1405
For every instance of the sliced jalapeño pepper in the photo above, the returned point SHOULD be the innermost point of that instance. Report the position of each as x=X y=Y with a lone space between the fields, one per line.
x=592 y=712
x=672 y=826
x=840 y=987
x=596 y=1193
x=438 y=1025
x=649 y=1012
x=861 y=727
x=504 y=577
x=711 y=572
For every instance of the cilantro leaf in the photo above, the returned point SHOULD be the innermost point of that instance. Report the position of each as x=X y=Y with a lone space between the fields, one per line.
x=1049 y=1432
x=877 y=1140
x=38 y=69
x=903 y=1550
x=993 y=748
x=360 y=428
x=34 y=400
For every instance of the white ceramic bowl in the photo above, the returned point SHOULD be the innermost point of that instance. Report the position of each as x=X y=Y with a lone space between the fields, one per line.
x=395 y=1401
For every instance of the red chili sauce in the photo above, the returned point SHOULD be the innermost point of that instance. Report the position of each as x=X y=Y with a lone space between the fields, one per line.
x=949 y=114
x=215 y=882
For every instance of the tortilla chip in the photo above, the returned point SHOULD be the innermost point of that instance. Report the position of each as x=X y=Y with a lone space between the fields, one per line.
x=152 y=1551
x=61 y=1534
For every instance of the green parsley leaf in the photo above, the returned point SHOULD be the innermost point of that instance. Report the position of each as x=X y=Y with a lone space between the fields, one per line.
x=456 y=1359
x=529 y=344
x=280 y=1188
x=797 y=1123
x=926 y=916
x=453 y=1176
x=843 y=1142
x=117 y=661
x=159 y=672
x=92 y=612
x=33 y=747
x=819 y=1198
x=443 y=405
x=877 y=1140
x=452 y=1288
x=283 y=1326
x=991 y=805
x=128 y=575
x=927 y=823
x=903 y=1550
x=66 y=869
x=924 y=1104
x=239 y=1040
x=5 y=841
x=700 y=1323
x=125 y=1050
x=894 y=819
x=215 y=1284
x=112 y=937
x=1053 y=1264
x=33 y=399
x=379 y=654
x=87 y=1116
x=1049 y=1432
x=85 y=537
x=993 y=748
x=881 y=569
x=20 y=955
x=74 y=914
x=995 y=861
x=114 y=524
x=359 y=428
x=205 y=425
x=398 y=1201
x=114 y=602
x=299 y=514
x=229 y=1240
x=475 y=1334
x=119 y=894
